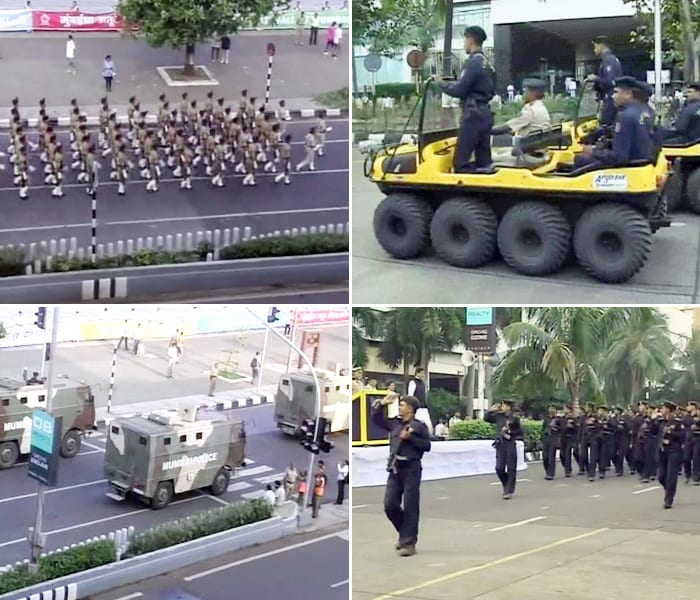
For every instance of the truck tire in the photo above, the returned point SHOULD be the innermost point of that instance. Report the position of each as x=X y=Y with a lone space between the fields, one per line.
x=534 y=238
x=70 y=444
x=401 y=225
x=463 y=232
x=674 y=191
x=9 y=453
x=162 y=496
x=693 y=191
x=612 y=242
x=220 y=483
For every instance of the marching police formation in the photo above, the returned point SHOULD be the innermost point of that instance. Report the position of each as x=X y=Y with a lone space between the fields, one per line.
x=209 y=136
x=656 y=443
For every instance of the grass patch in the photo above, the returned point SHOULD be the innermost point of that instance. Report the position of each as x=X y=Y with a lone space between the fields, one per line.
x=336 y=99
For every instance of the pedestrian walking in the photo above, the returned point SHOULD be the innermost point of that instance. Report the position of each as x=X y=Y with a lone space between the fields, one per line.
x=301 y=21
x=409 y=439
x=172 y=359
x=279 y=493
x=269 y=495
x=343 y=480
x=301 y=489
x=108 y=72
x=330 y=36
x=213 y=375
x=215 y=48
x=137 y=338
x=255 y=368
x=510 y=89
x=313 y=34
x=180 y=344
x=225 y=48
x=125 y=336
x=319 y=493
x=509 y=431
x=310 y=148
x=70 y=55
x=291 y=475
x=337 y=40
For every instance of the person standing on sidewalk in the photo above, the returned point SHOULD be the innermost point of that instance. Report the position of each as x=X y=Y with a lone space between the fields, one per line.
x=319 y=493
x=301 y=21
x=330 y=36
x=70 y=55
x=213 y=375
x=301 y=489
x=255 y=368
x=125 y=336
x=180 y=344
x=172 y=359
x=343 y=480
x=337 y=40
x=215 y=48
x=313 y=35
x=409 y=439
x=108 y=73
x=226 y=49
x=290 y=481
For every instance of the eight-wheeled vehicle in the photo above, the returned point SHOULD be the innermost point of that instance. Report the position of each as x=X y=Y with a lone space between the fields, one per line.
x=534 y=207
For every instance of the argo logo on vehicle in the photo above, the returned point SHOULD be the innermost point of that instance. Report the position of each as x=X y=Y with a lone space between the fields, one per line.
x=602 y=181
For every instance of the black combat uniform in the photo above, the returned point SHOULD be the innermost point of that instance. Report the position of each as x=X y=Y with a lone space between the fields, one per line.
x=649 y=442
x=637 y=440
x=621 y=440
x=551 y=442
x=687 y=420
x=671 y=434
x=569 y=441
x=509 y=431
x=694 y=446
x=405 y=470
x=474 y=88
x=610 y=70
x=687 y=125
x=607 y=431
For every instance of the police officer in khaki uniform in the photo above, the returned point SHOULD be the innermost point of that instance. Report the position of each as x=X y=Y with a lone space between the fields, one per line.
x=310 y=148
x=285 y=160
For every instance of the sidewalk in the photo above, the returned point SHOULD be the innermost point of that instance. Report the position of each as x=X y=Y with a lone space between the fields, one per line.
x=224 y=400
x=330 y=515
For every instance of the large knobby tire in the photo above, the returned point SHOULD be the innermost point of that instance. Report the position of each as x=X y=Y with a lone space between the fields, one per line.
x=70 y=444
x=693 y=191
x=401 y=225
x=9 y=453
x=674 y=191
x=612 y=242
x=534 y=238
x=463 y=232
x=162 y=496
x=220 y=483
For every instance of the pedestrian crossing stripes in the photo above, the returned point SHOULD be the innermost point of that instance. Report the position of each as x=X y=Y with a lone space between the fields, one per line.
x=270 y=478
x=344 y=535
x=253 y=495
x=245 y=472
x=239 y=486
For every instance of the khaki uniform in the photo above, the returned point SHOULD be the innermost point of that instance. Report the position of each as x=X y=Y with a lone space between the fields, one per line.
x=285 y=159
x=310 y=149
x=533 y=117
x=57 y=173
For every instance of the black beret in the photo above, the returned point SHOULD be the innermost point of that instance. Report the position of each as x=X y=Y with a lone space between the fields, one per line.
x=652 y=405
x=644 y=88
x=475 y=32
x=601 y=39
x=626 y=82
x=412 y=401
x=534 y=84
x=670 y=405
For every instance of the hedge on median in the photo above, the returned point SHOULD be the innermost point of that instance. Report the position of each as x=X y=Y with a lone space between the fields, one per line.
x=478 y=429
x=13 y=261
x=59 y=564
x=199 y=525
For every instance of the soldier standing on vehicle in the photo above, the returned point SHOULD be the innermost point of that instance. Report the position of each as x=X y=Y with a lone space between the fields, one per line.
x=213 y=375
x=474 y=88
x=609 y=72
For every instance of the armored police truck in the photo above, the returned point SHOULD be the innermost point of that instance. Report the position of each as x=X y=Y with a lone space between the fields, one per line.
x=295 y=400
x=157 y=455
x=71 y=400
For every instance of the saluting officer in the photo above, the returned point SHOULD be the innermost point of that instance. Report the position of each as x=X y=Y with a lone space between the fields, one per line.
x=409 y=439
x=509 y=431
x=672 y=435
x=474 y=88
x=608 y=73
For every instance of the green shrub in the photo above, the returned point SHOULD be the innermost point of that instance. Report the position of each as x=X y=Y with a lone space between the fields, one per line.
x=287 y=246
x=395 y=90
x=60 y=564
x=442 y=404
x=12 y=262
x=199 y=525
x=479 y=429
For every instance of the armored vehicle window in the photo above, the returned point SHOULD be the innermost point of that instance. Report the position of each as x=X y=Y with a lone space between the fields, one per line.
x=23 y=400
x=166 y=441
x=183 y=439
x=327 y=389
x=285 y=382
x=6 y=402
x=337 y=388
x=42 y=398
x=309 y=388
x=199 y=435
x=115 y=429
x=142 y=440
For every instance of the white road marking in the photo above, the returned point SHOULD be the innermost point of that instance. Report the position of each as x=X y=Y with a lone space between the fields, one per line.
x=245 y=472
x=344 y=535
x=238 y=486
x=337 y=585
x=360 y=506
x=595 y=496
x=518 y=524
x=96 y=521
x=270 y=478
x=130 y=596
x=649 y=489
x=212 y=497
x=253 y=495
x=517 y=481
x=53 y=491
x=250 y=559
x=100 y=451
x=89 y=445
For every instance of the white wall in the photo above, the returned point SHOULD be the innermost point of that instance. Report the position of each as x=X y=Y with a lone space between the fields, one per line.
x=523 y=11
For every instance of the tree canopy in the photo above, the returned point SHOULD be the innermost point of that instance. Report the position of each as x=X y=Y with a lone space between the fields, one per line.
x=3 y=333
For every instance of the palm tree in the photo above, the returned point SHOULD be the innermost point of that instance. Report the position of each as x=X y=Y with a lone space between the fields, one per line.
x=685 y=382
x=366 y=323
x=640 y=351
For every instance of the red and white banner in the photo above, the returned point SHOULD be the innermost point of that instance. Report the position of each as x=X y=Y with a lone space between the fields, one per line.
x=316 y=317
x=15 y=20
x=73 y=21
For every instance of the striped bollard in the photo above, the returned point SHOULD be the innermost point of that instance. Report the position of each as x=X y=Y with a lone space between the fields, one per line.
x=111 y=379
x=93 y=256
x=270 y=54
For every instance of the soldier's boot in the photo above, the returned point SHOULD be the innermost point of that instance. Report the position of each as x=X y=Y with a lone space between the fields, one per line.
x=197 y=159
x=177 y=172
x=31 y=168
x=183 y=184
x=18 y=178
x=312 y=167
x=279 y=177
x=106 y=152
x=142 y=163
x=246 y=179
x=171 y=163
x=2 y=167
x=286 y=180
x=24 y=192
x=82 y=176
x=74 y=165
x=47 y=169
x=208 y=171
x=300 y=165
x=144 y=173
x=49 y=179
x=260 y=157
x=239 y=168
x=120 y=189
x=268 y=167
x=220 y=180
x=2 y=155
x=12 y=159
x=57 y=191
x=319 y=150
x=113 y=175
x=252 y=180
x=43 y=157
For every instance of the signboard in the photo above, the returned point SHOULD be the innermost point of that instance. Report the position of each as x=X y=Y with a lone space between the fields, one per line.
x=15 y=20
x=665 y=77
x=45 y=447
x=480 y=332
x=75 y=21
x=373 y=63
x=270 y=49
x=316 y=317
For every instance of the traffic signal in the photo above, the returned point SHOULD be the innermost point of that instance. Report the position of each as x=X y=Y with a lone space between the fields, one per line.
x=306 y=433
x=40 y=317
x=321 y=441
x=272 y=315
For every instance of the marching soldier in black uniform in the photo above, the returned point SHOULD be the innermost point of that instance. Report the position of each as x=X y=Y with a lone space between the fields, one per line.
x=552 y=427
x=694 y=442
x=591 y=441
x=637 y=445
x=621 y=440
x=409 y=440
x=610 y=70
x=649 y=440
x=687 y=419
x=670 y=428
x=509 y=431
x=474 y=88
x=607 y=430
x=569 y=440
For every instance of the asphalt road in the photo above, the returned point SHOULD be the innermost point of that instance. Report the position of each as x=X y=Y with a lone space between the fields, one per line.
x=77 y=509
x=143 y=380
x=340 y=294
x=566 y=538
x=312 y=199
x=672 y=274
x=313 y=567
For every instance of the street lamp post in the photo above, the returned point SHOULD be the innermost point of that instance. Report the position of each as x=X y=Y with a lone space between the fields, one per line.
x=657 y=49
x=317 y=385
x=36 y=538
x=262 y=359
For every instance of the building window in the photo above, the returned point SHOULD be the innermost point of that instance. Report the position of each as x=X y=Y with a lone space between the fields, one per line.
x=183 y=439
x=199 y=435
x=166 y=441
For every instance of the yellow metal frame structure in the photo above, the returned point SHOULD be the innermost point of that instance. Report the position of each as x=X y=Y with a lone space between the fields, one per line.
x=364 y=418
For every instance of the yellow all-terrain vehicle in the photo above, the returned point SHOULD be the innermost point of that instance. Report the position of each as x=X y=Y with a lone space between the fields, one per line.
x=533 y=207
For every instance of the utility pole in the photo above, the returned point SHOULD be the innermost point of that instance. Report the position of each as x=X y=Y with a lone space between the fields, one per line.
x=262 y=359
x=657 y=49
x=37 y=539
x=292 y=336
x=317 y=385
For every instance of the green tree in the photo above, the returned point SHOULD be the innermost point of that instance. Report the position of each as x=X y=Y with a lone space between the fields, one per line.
x=366 y=323
x=185 y=23
x=685 y=381
x=3 y=333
